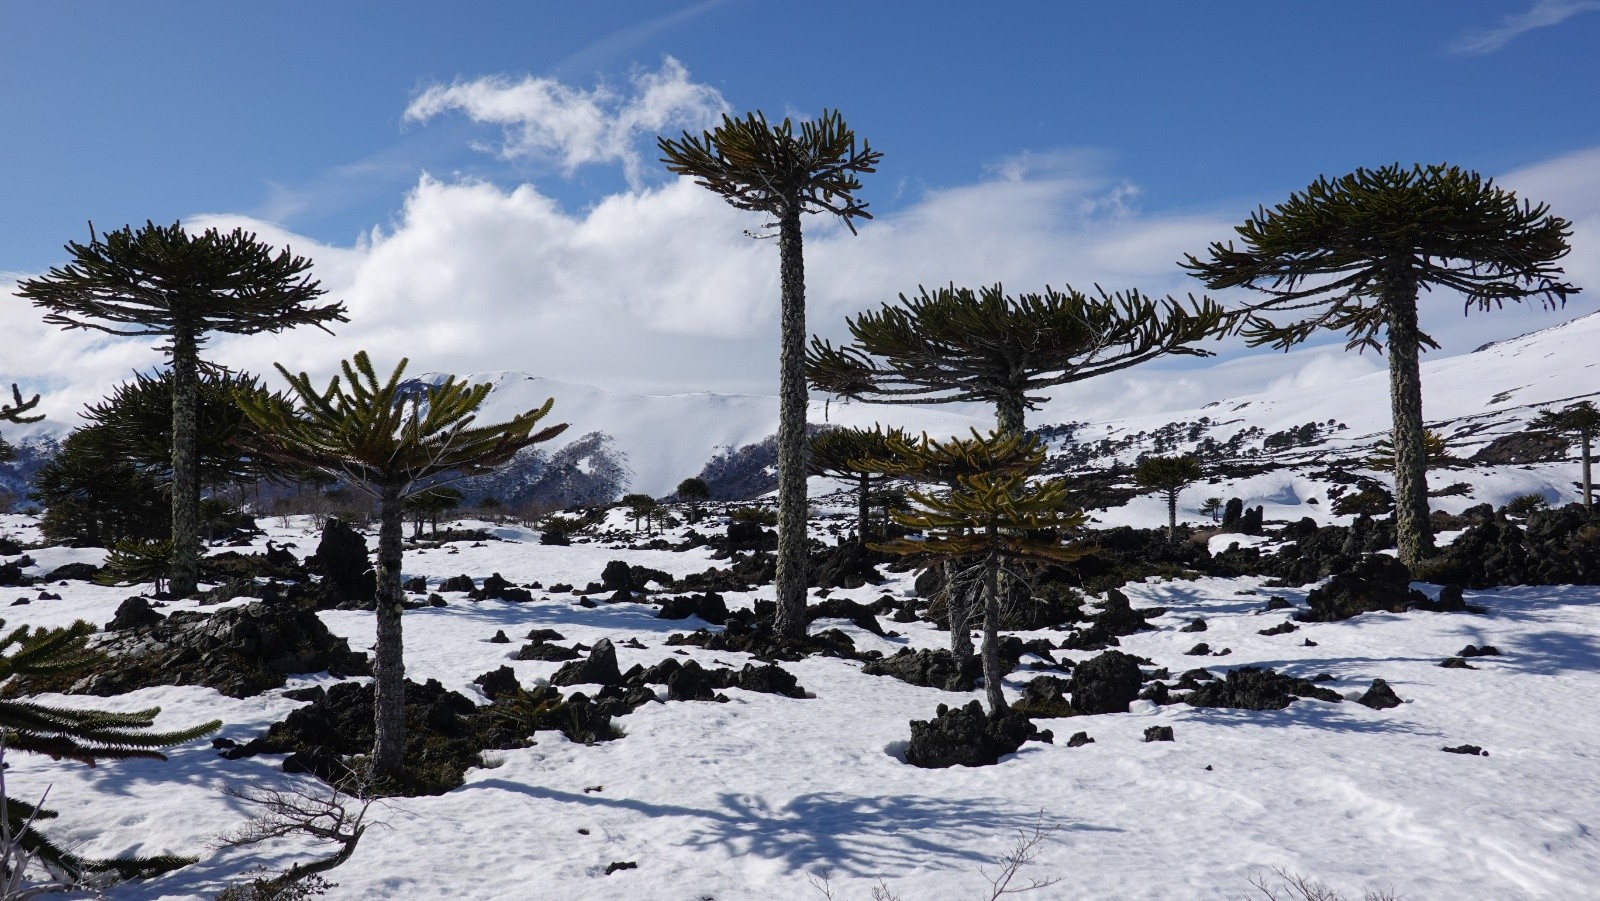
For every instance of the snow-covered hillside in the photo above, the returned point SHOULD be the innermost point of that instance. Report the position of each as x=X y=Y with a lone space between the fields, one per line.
x=1469 y=398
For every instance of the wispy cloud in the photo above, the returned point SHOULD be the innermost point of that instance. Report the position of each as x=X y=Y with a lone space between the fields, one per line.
x=1544 y=14
x=546 y=119
x=629 y=38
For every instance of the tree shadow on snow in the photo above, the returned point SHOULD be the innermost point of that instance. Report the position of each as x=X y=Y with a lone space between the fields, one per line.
x=855 y=835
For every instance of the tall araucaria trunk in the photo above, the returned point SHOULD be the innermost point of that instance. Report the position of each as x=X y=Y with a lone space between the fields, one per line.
x=1172 y=513
x=389 y=667
x=1412 y=531
x=1009 y=414
x=1588 y=484
x=861 y=507
x=185 y=575
x=958 y=604
x=993 y=677
x=791 y=569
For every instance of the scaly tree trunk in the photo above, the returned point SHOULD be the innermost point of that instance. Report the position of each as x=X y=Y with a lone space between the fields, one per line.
x=389 y=667
x=1172 y=513
x=993 y=678
x=1009 y=414
x=184 y=578
x=958 y=603
x=861 y=507
x=1405 y=400
x=791 y=575
x=1588 y=484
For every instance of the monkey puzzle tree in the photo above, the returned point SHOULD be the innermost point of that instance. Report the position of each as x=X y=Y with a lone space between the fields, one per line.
x=640 y=507
x=1435 y=453
x=842 y=453
x=390 y=440
x=1352 y=253
x=770 y=169
x=87 y=736
x=990 y=519
x=694 y=490
x=1581 y=420
x=162 y=281
x=921 y=460
x=1168 y=476
x=955 y=344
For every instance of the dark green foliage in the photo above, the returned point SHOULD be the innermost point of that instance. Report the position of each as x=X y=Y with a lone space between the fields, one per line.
x=769 y=169
x=136 y=561
x=1352 y=254
x=89 y=736
x=640 y=507
x=13 y=412
x=1345 y=250
x=134 y=423
x=428 y=505
x=842 y=453
x=990 y=519
x=93 y=498
x=955 y=344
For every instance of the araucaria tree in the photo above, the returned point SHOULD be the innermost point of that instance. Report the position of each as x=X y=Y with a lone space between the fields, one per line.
x=770 y=169
x=390 y=440
x=87 y=736
x=955 y=344
x=843 y=453
x=1351 y=254
x=989 y=521
x=1168 y=476
x=161 y=281
x=1582 y=421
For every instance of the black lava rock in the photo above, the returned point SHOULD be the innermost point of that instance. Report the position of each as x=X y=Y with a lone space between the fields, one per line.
x=966 y=736
x=1380 y=696
x=1377 y=583
x=1252 y=688
x=133 y=613
x=599 y=669
x=934 y=668
x=1106 y=684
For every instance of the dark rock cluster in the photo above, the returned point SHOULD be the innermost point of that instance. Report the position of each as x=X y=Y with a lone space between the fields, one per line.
x=1252 y=688
x=1553 y=547
x=966 y=736
x=240 y=651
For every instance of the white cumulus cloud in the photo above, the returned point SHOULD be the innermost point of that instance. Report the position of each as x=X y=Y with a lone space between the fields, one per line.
x=545 y=119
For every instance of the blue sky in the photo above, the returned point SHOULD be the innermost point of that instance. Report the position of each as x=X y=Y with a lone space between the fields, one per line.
x=1085 y=141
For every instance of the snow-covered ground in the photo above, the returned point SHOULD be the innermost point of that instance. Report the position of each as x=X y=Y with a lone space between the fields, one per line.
x=768 y=797
x=762 y=796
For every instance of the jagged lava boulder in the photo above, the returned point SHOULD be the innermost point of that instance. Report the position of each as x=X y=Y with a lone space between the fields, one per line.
x=930 y=667
x=240 y=651
x=966 y=736
x=1253 y=688
x=1377 y=583
x=1107 y=683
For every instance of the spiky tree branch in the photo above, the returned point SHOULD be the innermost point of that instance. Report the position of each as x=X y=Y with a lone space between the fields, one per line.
x=955 y=344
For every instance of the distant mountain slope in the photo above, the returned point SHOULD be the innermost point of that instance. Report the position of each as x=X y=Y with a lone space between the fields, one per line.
x=1471 y=398
x=668 y=438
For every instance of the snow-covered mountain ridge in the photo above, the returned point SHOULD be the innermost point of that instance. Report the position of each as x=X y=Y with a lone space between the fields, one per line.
x=1470 y=398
